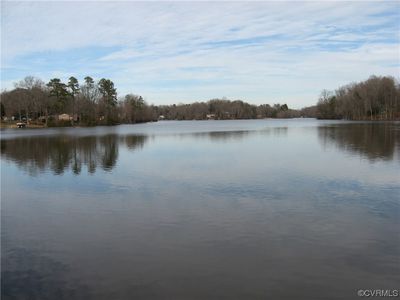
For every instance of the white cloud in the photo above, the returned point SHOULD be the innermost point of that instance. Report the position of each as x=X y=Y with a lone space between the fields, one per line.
x=178 y=51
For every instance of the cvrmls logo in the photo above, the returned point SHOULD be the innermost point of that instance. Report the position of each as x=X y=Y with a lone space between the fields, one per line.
x=378 y=293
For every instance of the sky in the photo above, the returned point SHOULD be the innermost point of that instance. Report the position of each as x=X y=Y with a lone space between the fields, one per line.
x=182 y=52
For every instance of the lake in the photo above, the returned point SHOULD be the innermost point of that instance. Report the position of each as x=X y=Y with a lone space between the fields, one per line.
x=252 y=209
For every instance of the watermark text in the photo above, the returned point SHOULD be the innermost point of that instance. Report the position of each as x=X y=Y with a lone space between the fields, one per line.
x=378 y=293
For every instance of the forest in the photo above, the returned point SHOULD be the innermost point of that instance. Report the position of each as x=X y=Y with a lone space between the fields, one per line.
x=377 y=98
x=69 y=104
x=97 y=103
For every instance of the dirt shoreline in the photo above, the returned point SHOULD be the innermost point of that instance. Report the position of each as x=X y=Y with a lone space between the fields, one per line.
x=14 y=125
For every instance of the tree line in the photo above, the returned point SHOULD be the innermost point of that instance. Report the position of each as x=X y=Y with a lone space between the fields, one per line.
x=97 y=103
x=224 y=109
x=377 y=98
x=89 y=103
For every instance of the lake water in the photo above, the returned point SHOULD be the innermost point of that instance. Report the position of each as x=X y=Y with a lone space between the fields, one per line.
x=255 y=209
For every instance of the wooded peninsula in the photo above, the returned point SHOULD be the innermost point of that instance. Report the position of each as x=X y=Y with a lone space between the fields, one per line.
x=96 y=103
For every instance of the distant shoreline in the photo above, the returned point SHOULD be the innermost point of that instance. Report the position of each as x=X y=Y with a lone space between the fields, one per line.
x=36 y=126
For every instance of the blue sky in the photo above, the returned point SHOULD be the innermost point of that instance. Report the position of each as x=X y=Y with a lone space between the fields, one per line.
x=172 y=52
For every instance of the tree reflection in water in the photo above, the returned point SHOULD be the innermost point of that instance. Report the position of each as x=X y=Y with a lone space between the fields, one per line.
x=38 y=154
x=375 y=141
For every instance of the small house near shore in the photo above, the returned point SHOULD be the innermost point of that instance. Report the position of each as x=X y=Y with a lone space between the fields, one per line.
x=210 y=116
x=67 y=117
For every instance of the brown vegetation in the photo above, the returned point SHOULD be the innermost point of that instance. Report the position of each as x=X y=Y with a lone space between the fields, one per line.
x=377 y=98
x=96 y=103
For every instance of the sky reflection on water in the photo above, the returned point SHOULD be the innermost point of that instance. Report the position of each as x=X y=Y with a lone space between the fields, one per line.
x=196 y=210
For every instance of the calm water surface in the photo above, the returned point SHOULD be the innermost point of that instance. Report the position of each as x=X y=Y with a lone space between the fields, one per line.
x=263 y=209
